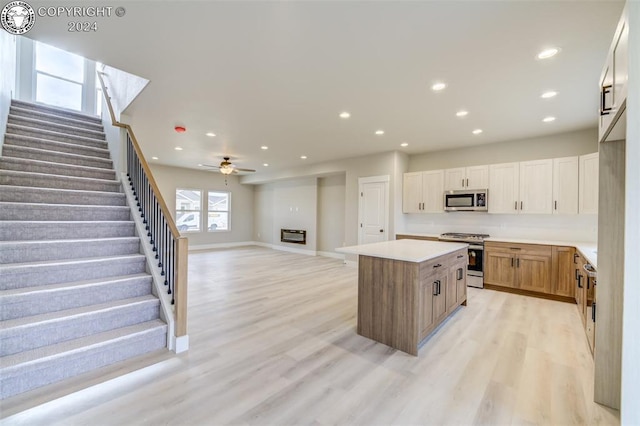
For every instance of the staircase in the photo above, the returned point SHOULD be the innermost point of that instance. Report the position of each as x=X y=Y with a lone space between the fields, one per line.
x=75 y=294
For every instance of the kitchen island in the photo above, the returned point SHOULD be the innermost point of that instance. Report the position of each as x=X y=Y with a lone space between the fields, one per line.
x=406 y=288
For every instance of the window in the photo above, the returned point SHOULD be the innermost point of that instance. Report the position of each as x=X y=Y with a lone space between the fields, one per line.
x=59 y=77
x=189 y=207
x=218 y=211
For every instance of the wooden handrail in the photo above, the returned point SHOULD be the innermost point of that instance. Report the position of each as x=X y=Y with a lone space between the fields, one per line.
x=179 y=268
x=143 y=161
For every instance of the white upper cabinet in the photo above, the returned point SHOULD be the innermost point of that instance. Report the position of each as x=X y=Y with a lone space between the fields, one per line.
x=423 y=192
x=412 y=193
x=504 y=188
x=454 y=179
x=474 y=177
x=588 y=199
x=565 y=185
x=536 y=187
x=613 y=84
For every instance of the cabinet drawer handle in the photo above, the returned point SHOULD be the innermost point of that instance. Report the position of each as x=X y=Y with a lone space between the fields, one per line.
x=604 y=110
x=437 y=266
x=460 y=256
x=518 y=262
x=593 y=311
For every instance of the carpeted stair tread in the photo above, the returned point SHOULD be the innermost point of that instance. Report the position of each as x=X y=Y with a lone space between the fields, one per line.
x=11 y=230
x=67 y=129
x=84 y=310
x=16 y=151
x=56 y=146
x=18 y=129
x=47 y=353
x=57 y=169
x=61 y=112
x=69 y=262
x=52 y=288
x=46 y=180
x=34 y=194
x=45 y=116
x=29 y=301
x=42 y=211
x=45 y=250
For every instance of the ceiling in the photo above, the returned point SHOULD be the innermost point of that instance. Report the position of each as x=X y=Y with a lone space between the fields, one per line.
x=279 y=73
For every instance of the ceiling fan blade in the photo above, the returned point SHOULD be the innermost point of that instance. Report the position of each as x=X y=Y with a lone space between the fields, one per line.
x=209 y=165
x=243 y=170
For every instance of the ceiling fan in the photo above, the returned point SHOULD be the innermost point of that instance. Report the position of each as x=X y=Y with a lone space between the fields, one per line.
x=227 y=168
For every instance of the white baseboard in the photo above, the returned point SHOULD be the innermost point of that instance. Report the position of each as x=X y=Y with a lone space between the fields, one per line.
x=285 y=248
x=221 y=245
x=180 y=344
x=331 y=254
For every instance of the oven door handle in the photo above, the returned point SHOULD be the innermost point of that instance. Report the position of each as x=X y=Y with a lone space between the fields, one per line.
x=476 y=247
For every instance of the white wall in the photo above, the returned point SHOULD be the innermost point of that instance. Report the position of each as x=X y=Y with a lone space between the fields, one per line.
x=387 y=163
x=630 y=409
x=331 y=204
x=123 y=88
x=242 y=207
x=558 y=145
x=7 y=78
x=291 y=204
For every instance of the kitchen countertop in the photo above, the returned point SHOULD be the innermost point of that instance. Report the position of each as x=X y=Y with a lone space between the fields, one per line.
x=405 y=250
x=587 y=249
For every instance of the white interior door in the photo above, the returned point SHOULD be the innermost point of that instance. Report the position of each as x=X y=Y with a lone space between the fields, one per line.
x=374 y=205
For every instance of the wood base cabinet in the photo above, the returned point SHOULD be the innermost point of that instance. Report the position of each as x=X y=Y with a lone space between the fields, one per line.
x=563 y=280
x=518 y=266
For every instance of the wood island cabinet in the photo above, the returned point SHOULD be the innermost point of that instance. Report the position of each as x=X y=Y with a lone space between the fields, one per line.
x=403 y=297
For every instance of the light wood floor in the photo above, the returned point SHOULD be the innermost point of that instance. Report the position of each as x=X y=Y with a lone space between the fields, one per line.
x=273 y=341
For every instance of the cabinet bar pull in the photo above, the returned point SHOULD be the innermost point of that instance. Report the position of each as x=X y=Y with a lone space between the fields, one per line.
x=517 y=262
x=555 y=205
x=438 y=287
x=512 y=262
x=603 y=100
x=579 y=281
x=460 y=274
x=435 y=288
x=460 y=256
x=516 y=206
x=521 y=204
x=593 y=311
x=467 y=182
x=437 y=266
x=462 y=182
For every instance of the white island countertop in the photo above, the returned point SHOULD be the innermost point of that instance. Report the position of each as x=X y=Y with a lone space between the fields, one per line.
x=406 y=250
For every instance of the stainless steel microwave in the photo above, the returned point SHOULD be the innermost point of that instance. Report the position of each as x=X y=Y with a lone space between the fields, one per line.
x=466 y=200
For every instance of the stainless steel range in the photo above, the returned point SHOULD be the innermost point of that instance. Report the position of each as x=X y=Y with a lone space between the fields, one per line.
x=475 y=270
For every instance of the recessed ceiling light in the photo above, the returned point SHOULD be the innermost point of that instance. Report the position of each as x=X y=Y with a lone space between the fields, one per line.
x=379 y=132
x=154 y=158
x=438 y=87
x=211 y=134
x=177 y=148
x=547 y=95
x=548 y=53
x=345 y=114
x=549 y=119
x=264 y=147
x=462 y=113
x=404 y=144
x=304 y=157
x=477 y=131
x=199 y=165
x=266 y=164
